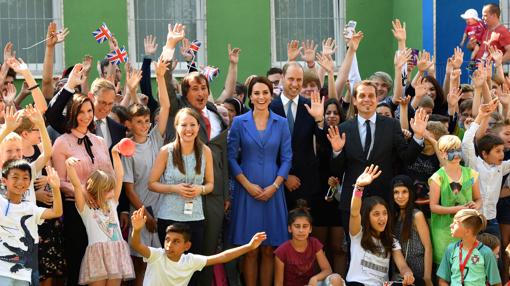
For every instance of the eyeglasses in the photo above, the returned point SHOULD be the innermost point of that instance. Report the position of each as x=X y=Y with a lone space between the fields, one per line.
x=34 y=130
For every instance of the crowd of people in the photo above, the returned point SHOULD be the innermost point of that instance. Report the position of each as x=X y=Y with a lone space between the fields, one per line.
x=295 y=177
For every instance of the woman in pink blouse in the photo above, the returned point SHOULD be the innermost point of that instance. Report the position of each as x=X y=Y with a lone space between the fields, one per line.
x=81 y=143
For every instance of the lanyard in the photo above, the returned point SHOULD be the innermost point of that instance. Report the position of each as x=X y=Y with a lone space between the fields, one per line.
x=462 y=265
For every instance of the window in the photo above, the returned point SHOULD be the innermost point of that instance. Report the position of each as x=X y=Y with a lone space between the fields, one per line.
x=24 y=23
x=151 y=17
x=304 y=20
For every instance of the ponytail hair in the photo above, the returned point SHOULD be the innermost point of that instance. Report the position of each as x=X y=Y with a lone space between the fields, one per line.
x=301 y=210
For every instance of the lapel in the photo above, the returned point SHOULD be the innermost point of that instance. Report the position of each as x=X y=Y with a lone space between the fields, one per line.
x=251 y=128
x=356 y=139
x=277 y=106
x=300 y=113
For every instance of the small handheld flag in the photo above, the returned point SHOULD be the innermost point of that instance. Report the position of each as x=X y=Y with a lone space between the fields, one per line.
x=102 y=34
x=117 y=56
x=195 y=46
x=210 y=72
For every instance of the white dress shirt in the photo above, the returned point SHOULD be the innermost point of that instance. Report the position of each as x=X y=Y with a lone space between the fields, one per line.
x=285 y=101
x=490 y=176
x=362 y=128
x=215 y=122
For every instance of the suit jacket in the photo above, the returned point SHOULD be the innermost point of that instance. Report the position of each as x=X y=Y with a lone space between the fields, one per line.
x=389 y=144
x=217 y=144
x=304 y=161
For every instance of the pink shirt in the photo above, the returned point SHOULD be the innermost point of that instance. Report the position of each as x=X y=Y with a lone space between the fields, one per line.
x=475 y=31
x=67 y=146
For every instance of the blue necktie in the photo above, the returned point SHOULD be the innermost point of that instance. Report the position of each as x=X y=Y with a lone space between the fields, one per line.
x=290 y=116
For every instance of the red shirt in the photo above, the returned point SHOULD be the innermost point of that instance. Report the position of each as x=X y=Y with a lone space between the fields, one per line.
x=299 y=266
x=475 y=31
x=504 y=40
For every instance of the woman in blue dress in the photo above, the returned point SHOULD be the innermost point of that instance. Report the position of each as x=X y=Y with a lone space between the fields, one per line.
x=260 y=157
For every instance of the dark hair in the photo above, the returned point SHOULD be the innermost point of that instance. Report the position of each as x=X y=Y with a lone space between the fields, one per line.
x=407 y=224
x=274 y=70
x=291 y=64
x=11 y=73
x=18 y=164
x=466 y=104
x=181 y=228
x=191 y=77
x=122 y=113
x=255 y=80
x=386 y=236
x=494 y=9
x=488 y=239
x=488 y=142
x=335 y=102
x=438 y=118
x=363 y=83
x=301 y=210
x=236 y=103
x=240 y=89
x=385 y=104
x=440 y=97
x=137 y=109
x=197 y=146
x=75 y=106
x=103 y=64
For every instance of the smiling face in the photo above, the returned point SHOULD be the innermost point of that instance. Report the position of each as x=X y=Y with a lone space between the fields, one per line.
x=293 y=81
x=401 y=196
x=139 y=125
x=11 y=150
x=260 y=96
x=378 y=218
x=85 y=116
x=103 y=102
x=198 y=93
x=366 y=100
x=300 y=229
x=332 y=115
x=187 y=127
x=17 y=182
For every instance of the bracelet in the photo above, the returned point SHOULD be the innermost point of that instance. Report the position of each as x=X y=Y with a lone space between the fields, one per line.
x=33 y=87
x=276 y=186
x=358 y=193
x=203 y=190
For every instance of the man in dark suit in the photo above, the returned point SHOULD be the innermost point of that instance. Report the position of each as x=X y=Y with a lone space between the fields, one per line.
x=213 y=132
x=305 y=120
x=371 y=139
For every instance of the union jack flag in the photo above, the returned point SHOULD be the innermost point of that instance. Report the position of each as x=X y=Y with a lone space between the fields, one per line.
x=195 y=46
x=102 y=34
x=117 y=56
x=210 y=72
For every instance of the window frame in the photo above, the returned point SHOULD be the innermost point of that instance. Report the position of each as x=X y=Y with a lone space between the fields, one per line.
x=339 y=19
x=135 y=57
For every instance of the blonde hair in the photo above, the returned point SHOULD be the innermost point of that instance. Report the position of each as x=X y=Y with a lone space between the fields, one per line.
x=25 y=125
x=448 y=142
x=98 y=184
x=100 y=83
x=471 y=219
x=12 y=137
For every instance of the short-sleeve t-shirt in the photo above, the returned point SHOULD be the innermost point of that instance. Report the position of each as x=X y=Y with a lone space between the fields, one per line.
x=101 y=226
x=161 y=271
x=299 y=266
x=504 y=40
x=138 y=167
x=366 y=267
x=475 y=31
x=18 y=230
x=480 y=268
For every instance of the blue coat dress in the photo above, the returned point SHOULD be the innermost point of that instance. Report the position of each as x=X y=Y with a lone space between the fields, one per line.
x=261 y=156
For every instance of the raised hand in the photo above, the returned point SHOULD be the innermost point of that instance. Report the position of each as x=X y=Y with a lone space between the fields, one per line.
x=54 y=37
x=112 y=42
x=175 y=35
x=133 y=78
x=479 y=76
x=161 y=67
x=486 y=109
x=317 y=109
x=19 y=66
x=9 y=51
x=326 y=62
x=424 y=61
x=309 y=48
x=401 y=58
x=328 y=47
x=419 y=123
x=403 y=102
x=355 y=40
x=62 y=34
x=75 y=77
x=458 y=58
x=138 y=219
x=86 y=62
x=12 y=118
x=185 y=50
x=399 y=30
x=257 y=239
x=420 y=89
x=293 y=50
x=233 y=54
x=496 y=54
x=149 y=45
x=455 y=75
x=494 y=38
x=504 y=96
x=369 y=175
x=10 y=93
x=34 y=115
x=52 y=177
x=337 y=141
x=453 y=96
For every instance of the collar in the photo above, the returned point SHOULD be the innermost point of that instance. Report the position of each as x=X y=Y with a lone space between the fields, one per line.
x=102 y=120
x=362 y=120
x=286 y=100
x=78 y=134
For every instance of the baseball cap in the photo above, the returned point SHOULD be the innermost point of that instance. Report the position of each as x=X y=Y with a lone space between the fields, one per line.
x=470 y=14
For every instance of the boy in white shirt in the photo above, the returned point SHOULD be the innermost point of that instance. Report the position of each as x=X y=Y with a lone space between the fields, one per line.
x=170 y=266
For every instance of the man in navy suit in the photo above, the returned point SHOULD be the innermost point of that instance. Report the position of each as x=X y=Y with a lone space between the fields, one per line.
x=371 y=139
x=304 y=122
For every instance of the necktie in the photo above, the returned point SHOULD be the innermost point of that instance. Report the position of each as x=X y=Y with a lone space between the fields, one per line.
x=99 y=132
x=368 y=139
x=290 y=116
x=207 y=125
